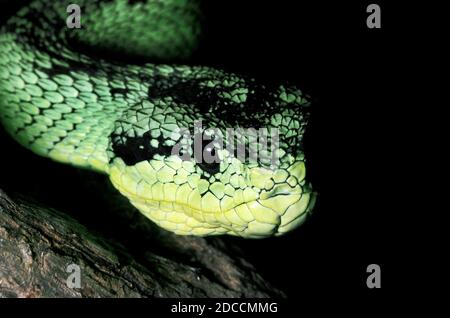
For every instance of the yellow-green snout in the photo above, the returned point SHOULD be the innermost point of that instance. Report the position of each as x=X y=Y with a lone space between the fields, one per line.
x=248 y=202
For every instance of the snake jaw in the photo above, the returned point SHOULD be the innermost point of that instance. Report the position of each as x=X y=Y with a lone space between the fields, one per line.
x=280 y=204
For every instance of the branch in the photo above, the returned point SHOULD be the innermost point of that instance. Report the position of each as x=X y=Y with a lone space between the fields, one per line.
x=37 y=245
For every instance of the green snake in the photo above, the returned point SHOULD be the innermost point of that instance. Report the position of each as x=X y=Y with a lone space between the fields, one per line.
x=63 y=96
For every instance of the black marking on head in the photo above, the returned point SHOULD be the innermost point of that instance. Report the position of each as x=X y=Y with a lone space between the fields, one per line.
x=133 y=150
x=255 y=111
x=210 y=167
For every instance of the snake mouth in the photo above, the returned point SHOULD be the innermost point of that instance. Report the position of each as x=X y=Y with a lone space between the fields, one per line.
x=278 y=207
x=273 y=212
x=252 y=219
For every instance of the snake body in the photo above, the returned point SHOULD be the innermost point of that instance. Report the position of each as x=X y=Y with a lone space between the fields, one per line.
x=61 y=100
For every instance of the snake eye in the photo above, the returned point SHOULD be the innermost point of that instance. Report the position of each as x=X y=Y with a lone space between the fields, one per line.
x=211 y=151
x=208 y=159
x=133 y=150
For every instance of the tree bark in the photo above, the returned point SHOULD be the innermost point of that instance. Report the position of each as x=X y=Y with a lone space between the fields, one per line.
x=37 y=245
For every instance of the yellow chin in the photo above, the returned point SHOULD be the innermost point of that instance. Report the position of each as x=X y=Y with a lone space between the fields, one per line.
x=180 y=208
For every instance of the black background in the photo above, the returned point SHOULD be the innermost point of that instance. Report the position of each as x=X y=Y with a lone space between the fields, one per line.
x=351 y=143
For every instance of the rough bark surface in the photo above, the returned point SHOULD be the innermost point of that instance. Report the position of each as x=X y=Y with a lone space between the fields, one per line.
x=37 y=244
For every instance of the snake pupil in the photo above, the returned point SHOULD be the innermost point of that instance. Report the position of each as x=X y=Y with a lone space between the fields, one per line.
x=208 y=160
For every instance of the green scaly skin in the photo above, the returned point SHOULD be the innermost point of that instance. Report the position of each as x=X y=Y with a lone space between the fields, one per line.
x=121 y=119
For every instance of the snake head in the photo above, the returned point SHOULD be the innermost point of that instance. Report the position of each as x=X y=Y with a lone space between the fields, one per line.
x=189 y=164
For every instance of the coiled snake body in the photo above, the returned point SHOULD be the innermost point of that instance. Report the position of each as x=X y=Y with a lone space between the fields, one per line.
x=124 y=120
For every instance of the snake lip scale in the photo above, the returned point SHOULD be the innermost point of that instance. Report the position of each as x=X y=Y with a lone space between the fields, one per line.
x=124 y=119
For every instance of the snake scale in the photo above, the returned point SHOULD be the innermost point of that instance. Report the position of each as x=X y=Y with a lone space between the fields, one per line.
x=63 y=100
